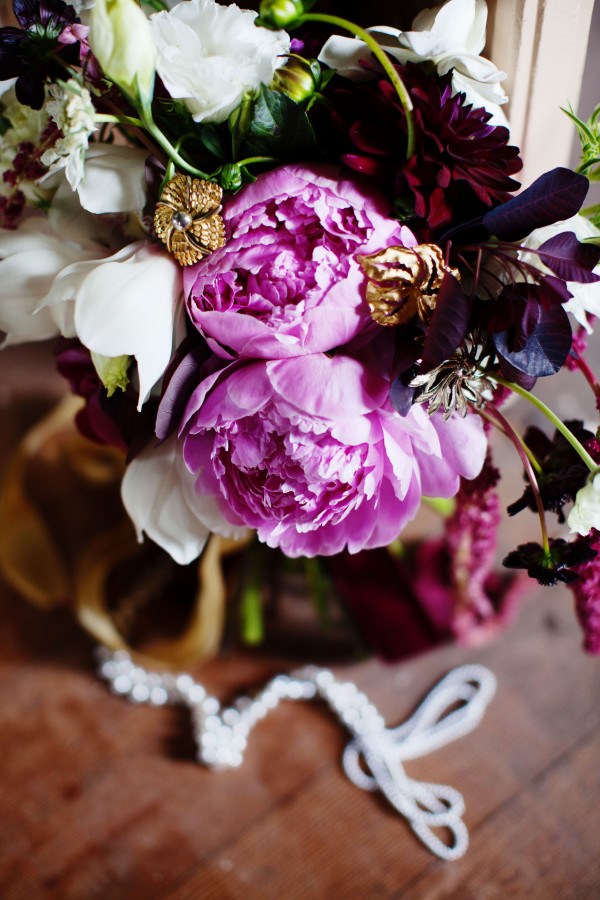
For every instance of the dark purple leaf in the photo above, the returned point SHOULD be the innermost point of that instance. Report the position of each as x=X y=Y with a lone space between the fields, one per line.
x=512 y=374
x=569 y=258
x=401 y=396
x=449 y=324
x=546 y=349
x=553 y=290
x=179 y=382
x=552 y=197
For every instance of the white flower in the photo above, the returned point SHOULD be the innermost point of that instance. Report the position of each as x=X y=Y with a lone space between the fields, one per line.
x=121 y=42
x=114 y=179
x=210 y=55
x=586 y=297
x=451 y=36
x=119 y=305
x=27 y=125
x=72 y=110
x=585 y=514
x=159 y=495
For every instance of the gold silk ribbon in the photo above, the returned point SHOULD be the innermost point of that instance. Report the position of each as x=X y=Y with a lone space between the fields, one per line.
x=64 y=533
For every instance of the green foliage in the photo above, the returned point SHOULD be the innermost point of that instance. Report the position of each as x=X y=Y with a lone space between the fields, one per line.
x=278 y=127
x=589 y=135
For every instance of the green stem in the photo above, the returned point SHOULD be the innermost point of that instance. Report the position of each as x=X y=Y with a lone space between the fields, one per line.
x=530 y=455
x=383 y=60
x=119 y=120
x=552 y=417
x=153 y=129
x=255 y=159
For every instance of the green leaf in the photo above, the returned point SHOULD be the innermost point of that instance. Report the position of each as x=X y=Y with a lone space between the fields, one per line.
x=278 y=127
x=211 y=139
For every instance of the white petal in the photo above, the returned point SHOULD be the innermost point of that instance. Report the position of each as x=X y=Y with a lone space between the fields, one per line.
x=114 y=180
x=127 y=306
x=585 y=515
x=33 y=257
x=159 y=495
x=154 y=496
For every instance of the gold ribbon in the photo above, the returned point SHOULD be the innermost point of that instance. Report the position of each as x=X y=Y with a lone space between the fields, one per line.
x=63 y=533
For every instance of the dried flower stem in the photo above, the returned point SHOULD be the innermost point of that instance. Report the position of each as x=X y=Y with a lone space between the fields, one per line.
x=558 y=424
x=518 y=443
x=587 y=373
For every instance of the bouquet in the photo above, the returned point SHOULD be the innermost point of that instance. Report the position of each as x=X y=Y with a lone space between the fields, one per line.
x=291 y=275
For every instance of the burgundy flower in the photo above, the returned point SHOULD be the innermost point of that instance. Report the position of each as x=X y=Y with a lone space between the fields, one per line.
x=462 y=164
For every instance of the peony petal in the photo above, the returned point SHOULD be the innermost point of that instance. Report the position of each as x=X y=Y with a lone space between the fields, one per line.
x=336 y=388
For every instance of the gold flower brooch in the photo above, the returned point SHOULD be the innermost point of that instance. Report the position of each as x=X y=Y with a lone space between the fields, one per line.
x=187 y=218
x=403 y=282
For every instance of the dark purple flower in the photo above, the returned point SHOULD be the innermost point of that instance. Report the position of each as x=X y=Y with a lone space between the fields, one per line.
x=563 y=473
x=29 y=53
x=462 y=164
x=560 y=563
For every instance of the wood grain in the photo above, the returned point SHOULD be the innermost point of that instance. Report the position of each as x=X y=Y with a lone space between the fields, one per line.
x=102 y=799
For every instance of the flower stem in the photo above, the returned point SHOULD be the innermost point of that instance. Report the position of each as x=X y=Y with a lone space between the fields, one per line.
x=587 y=373
x=530 y=455
x=385 y=62
x=119 y=120
x=152 y=128
x=255 y=159
x=552 y=417
x=509 y=431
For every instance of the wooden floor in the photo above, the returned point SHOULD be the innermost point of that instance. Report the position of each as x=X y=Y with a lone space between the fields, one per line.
x=101 y=799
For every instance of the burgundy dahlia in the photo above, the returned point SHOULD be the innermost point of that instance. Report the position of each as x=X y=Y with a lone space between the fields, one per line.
x=462 y=165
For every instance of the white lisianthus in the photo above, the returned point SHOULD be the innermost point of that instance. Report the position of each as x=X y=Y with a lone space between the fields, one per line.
x=71 y=108
x=120 y=40
x=586 y=296
x=452 y=36
x=585 y=514
x=159 y=495
x=210 y=55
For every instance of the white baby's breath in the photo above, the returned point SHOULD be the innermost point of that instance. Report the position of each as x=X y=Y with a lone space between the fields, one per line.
x=210 y=55
x=71 y=108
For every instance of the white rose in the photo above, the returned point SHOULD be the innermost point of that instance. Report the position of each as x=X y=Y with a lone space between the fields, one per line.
x=209 y=55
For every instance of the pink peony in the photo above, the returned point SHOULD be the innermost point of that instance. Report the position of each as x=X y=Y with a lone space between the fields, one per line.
x=287 y=281
x=310 y=453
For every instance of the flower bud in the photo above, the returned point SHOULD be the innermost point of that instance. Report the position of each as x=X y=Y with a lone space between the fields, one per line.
x=230 y=177
x=112 y=371
x=121 y=41
x=298 y=79
x=280 y=13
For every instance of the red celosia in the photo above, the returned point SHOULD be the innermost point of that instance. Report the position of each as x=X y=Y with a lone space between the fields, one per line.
x=587 y=597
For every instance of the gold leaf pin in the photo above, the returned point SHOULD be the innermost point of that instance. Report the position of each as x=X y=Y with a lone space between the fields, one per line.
x=403 y=282
x=187 y=218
